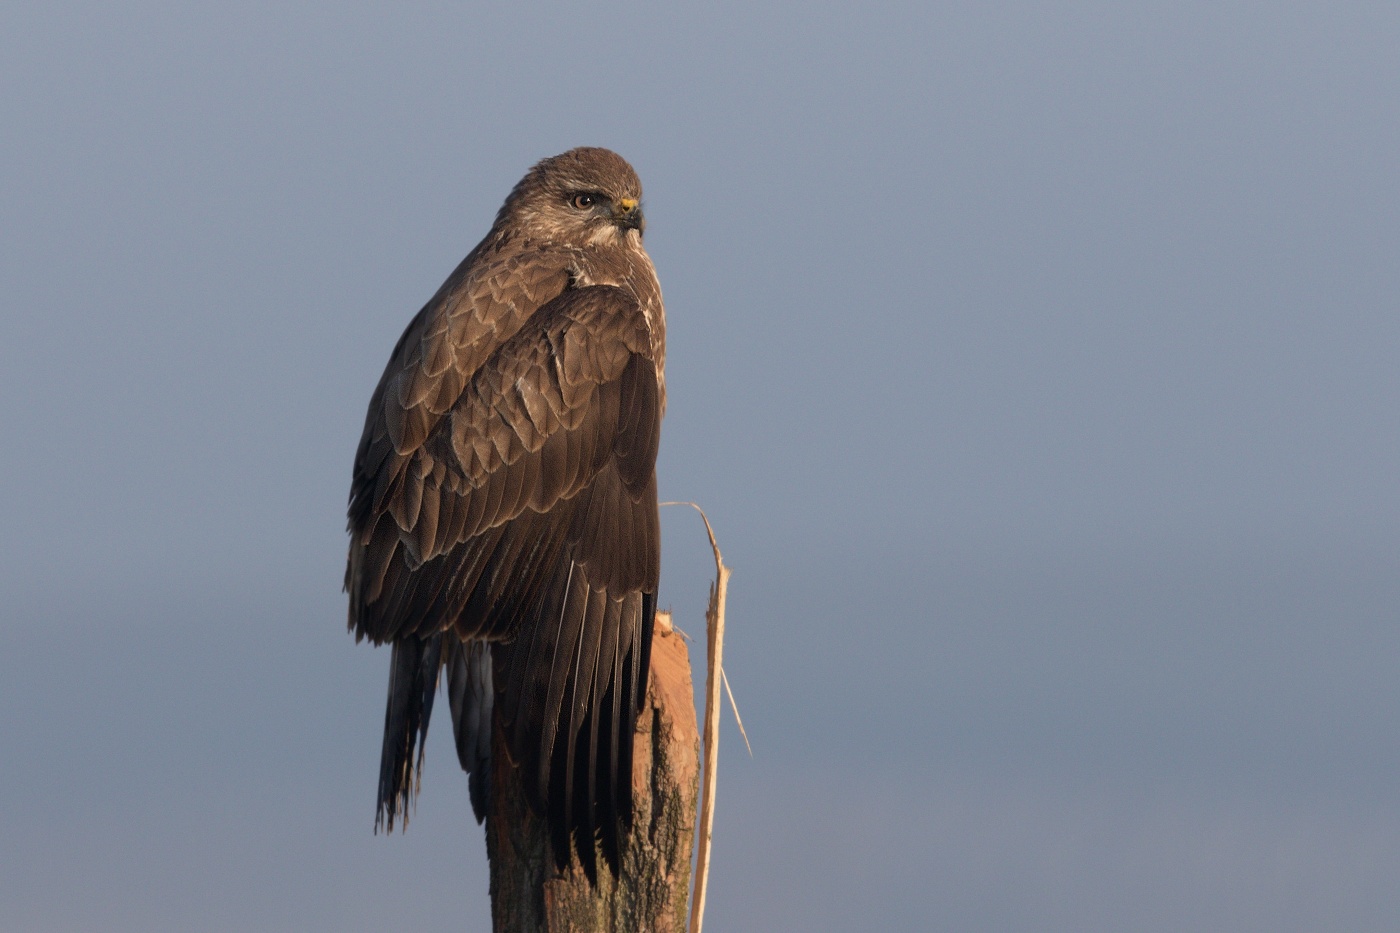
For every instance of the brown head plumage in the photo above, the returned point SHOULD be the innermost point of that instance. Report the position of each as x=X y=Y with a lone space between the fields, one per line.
x=586 y=196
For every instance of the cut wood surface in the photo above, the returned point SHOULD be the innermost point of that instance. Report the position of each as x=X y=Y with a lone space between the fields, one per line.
x=528 y=894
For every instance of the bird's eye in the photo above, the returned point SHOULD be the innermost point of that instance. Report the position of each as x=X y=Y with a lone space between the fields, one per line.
x=583 y=201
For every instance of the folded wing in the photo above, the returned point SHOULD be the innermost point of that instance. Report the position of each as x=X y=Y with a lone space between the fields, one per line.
x=523 y=514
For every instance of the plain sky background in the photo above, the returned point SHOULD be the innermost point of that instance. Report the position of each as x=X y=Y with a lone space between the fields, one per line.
x=1038 y=366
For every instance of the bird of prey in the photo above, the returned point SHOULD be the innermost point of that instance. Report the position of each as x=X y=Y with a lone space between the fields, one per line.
x=503 y=511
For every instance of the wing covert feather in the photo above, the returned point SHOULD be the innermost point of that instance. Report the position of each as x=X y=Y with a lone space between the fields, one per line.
x=569 y=393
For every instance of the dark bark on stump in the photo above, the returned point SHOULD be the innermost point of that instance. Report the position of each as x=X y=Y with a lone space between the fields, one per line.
x=527 y=892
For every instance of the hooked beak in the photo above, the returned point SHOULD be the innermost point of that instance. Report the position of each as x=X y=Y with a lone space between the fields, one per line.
x=627 y=214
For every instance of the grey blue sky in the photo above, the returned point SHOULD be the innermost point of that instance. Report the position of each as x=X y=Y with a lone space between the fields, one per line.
x=1037 y=365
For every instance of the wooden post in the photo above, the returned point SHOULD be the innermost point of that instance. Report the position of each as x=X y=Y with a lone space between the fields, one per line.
x=527 y=893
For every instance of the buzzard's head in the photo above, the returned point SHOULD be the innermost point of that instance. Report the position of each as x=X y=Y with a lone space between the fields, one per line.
x=584 y=197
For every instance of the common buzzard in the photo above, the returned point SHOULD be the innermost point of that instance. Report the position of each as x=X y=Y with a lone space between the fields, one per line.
x=503 y=512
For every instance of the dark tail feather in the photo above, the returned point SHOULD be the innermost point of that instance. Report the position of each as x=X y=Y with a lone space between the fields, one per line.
x=470 y=693
x=570 y=689
x=413 y=677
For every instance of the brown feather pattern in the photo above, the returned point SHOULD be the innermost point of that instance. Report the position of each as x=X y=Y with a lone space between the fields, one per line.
x=503 y=513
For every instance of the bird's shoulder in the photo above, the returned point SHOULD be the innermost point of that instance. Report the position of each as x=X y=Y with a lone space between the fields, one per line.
x=480 y=306
x=630 y=269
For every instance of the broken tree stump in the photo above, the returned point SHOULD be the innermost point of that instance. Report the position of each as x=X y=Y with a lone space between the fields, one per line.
x=527 y=892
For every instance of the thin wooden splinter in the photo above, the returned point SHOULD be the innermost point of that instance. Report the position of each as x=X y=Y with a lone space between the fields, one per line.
x=714 y=677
